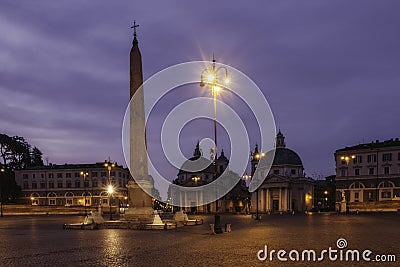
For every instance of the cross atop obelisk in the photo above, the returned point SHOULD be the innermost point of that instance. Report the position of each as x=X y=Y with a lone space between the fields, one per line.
x=135 y=41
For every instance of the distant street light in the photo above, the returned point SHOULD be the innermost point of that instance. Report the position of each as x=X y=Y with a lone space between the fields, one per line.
x=110 y=189
x=257 y=157
x=195 y=179
x=84 y=174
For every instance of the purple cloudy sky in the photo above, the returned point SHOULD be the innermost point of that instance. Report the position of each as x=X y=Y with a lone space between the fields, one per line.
x=329 y=69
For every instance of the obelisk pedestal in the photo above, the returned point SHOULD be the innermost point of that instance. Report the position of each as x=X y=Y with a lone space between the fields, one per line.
x=140 y=203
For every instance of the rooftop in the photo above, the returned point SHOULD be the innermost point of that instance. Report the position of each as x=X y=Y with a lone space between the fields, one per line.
x=373 y=145
x=70 y=166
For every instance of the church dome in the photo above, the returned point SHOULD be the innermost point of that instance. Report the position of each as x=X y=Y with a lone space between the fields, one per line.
x=197 y=162
x=286 y=156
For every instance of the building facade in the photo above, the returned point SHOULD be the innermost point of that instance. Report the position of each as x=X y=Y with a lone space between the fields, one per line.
x=285 y=188
x=368 y=175
x=325 y=194
x=72 y=184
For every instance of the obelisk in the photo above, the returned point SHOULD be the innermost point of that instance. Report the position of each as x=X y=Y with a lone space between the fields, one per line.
x=140 y=203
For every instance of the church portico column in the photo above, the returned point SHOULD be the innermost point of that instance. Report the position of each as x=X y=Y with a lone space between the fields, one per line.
x=283 y=199
x=268 y=208
x=280 y=199
x=262 y=198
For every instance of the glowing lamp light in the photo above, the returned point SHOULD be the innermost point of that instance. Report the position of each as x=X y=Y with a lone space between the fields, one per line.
x=210 y=77
x=227 y=81
x=110 y=189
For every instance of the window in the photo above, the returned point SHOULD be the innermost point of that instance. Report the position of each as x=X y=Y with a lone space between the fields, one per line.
x=387 y=157
x=398 y=156
x=386 y=170
x=51 y=184
x=76 y=174
x=356 y=195
x=112 y=173
x=386 y=194
x=52 y=201
x=77 y=184
x=105 y=201
x=94 y=183
x=26 y=186
x=42 y=175
x=356 y=172
x=86 y=183
x=119 y=174
x=33 y=176
x=59 y=175
x=123 y=175
x=357 y=159
x=51 y=175
x=103 y=174
x=68 y=175
x=42 y=185
x=60 y=184
x=69 y=185
x=371 y=158
x=25 y=176
x=343 y=162
x=343 y=172
x=34 y=185
x=276 y=171
x=293 y=171
x=94 y=174
x=371 y=171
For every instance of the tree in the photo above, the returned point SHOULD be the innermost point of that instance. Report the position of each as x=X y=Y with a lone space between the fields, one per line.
x=36 y=157
x=15 y=153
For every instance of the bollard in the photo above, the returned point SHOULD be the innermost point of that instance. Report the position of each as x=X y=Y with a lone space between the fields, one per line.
x=228 y=227
x=212 y=229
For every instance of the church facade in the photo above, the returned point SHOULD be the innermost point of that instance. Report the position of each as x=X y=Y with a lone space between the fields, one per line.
x=285 y=188
x=236 y=200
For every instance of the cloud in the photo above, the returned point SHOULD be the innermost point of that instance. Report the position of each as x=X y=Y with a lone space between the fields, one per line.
x=329 y=69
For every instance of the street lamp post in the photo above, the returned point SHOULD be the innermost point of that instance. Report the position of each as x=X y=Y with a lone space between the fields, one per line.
x=347 y=158
x=247 y=177
x=209 y=77
x=84 y=174
x=2 y=170
x=110 y=189
x=257 y=156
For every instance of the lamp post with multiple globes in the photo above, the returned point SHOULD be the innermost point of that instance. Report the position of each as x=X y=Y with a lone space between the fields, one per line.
x=210 y=78
x=346 y=159
x=110 y=189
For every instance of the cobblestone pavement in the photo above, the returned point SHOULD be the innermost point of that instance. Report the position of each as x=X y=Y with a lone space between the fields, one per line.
x=41 y=241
